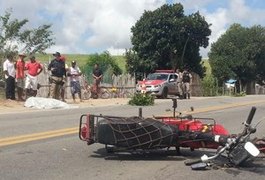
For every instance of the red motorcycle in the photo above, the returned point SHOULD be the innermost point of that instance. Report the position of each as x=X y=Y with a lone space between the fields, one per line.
x=137 y=133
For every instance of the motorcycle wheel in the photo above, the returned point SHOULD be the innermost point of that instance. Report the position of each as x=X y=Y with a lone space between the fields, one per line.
x=164 y=93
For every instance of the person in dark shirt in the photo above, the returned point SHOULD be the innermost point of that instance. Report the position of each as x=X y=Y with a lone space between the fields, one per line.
x=58 y=73
x=186 y=82
x=97 y=75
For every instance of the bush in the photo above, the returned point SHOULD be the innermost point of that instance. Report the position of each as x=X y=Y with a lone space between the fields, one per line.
x=240 y=94
x=140 y=99
x=210 y=86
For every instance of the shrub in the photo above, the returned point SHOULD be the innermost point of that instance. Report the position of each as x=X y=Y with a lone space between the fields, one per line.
x=210 y=86
x=141 y=99
x=240 y=94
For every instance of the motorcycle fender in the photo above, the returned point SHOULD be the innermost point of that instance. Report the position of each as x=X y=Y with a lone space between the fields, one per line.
x=251 y=149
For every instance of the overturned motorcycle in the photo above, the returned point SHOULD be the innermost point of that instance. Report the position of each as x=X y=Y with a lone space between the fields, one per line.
x=137 y=133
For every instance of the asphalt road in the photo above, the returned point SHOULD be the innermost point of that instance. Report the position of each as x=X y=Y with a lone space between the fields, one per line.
x=64 y=156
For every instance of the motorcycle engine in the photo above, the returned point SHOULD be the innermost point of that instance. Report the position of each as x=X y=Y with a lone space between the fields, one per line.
x=238 y=154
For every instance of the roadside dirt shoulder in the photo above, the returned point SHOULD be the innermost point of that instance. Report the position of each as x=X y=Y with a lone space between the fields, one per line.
x=9 y=106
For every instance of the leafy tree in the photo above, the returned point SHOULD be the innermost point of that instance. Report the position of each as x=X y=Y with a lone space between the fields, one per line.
x=239 y=54
x=166 y=38
x=13 y=37
x=132 y=61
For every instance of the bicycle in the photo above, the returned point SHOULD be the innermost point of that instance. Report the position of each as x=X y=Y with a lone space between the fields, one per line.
x=86 y=93
x=120 y=92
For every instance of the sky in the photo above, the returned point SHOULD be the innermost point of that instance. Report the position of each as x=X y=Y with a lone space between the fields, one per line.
x=94 y=26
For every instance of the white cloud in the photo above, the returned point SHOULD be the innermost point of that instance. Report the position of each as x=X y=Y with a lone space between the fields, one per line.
x=82 y=25
x=235 y=11
x=194 y=4
x=86 y=26
x=116 y=51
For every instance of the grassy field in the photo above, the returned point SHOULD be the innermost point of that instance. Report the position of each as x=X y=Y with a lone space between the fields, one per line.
x=207 y=65
x=81 y=59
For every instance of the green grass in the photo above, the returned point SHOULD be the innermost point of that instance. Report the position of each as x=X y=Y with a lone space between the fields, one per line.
x=121 y=61
x=81 y=59
x=206 y=64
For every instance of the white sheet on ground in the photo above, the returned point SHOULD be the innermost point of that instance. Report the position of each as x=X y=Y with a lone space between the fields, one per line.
x=46 y=103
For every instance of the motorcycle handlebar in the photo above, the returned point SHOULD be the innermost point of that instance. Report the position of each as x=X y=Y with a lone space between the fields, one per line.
x=250 y=116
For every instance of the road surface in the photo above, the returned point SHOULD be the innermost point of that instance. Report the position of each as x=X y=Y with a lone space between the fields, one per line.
x=44 y=144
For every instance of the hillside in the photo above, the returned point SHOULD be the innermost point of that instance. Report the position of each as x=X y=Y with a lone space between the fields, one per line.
x=80 y=58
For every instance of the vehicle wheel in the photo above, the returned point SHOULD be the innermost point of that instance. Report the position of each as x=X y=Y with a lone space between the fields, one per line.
x=105 y=94
x=86 y=95
x=109 y=148
x=94 y=96
x=164 y=93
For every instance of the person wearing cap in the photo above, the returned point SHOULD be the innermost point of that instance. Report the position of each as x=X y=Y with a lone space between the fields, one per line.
x=58 y=72
x=75 y=73
x=10 y=74
x=33 y=68
x=186 y=82
x=20 y=75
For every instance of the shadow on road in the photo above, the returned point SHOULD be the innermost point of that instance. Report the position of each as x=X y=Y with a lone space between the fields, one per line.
x=256 y=166
x=152 y=155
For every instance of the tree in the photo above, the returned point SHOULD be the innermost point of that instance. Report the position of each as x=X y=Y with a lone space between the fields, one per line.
x=239 y=54
x=14 y=38
x=166 y=38
x=133 y=61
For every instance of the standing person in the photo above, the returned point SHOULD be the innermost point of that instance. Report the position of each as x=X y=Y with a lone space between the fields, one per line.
x=62 y=93
x=97 y=75
x=10 y=74
x=20 y=76
x=187 y=80
x=57 y=68
x=34 y=68
x=179 y=83
x=74 y=73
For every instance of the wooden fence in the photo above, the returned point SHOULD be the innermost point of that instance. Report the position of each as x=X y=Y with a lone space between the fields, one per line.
x=119 y=82
x=196 y=87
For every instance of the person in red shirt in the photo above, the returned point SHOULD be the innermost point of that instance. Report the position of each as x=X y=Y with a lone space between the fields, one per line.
x=34 y=68
x=20 y=67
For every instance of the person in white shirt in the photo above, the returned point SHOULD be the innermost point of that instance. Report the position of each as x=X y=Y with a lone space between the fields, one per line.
x=179 y=83
x=74 y=73
x=10 y=74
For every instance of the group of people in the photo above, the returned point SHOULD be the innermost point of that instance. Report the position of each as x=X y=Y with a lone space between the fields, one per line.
x=21 y=75
x=59 y=73
x=183 y=82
